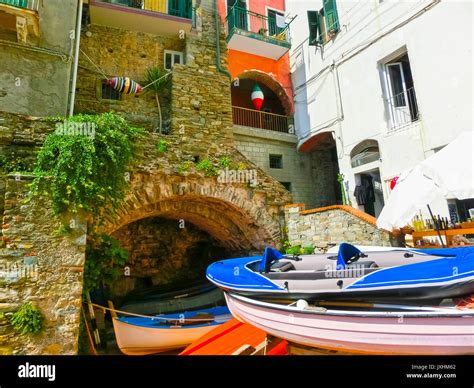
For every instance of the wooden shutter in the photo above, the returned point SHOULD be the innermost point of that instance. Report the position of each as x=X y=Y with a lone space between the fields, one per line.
x=330 y=15
x=314 y=28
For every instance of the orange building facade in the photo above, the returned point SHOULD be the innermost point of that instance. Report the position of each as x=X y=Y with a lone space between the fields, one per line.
x=258 y=50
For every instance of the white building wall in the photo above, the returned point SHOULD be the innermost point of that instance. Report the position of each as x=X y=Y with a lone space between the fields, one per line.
x=438 y=39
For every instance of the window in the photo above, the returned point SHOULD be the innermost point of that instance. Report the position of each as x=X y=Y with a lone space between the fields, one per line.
x=400 y=92
x=287 y=185
x=109 y=93
x=276 y=22
x=323 y=24
x=172 y=57
x=276 y=161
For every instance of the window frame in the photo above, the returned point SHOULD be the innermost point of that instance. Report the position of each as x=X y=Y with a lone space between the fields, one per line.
x=280 y=156
x=100 y=86
x=172 y=53
x=277 y=11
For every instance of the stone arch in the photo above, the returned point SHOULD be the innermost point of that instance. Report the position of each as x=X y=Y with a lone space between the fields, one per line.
x=365 y=152
x=236 y=216
x=273 y=84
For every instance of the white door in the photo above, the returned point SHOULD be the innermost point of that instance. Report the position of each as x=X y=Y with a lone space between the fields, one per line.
x=397 y=94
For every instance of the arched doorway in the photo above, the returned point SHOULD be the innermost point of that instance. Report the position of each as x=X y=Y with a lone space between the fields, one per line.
x=276 y=111
x=365 y=162
x=174 y=226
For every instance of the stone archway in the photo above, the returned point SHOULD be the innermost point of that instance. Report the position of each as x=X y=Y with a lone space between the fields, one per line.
x=239 y=217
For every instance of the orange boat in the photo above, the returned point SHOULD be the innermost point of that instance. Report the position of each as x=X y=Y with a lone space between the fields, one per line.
x=235 y=338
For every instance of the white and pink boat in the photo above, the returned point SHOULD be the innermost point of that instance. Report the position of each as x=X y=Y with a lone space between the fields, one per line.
x=384 y=329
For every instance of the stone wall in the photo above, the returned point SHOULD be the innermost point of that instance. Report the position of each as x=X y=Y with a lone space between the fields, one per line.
x=35 y=75
x=118 y=52
x=20 y=138
x=324 y=169
x=40 y=266
x=200 y=96
x=325 y=227
x=258 y=144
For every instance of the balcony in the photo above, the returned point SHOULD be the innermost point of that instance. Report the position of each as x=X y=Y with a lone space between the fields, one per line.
x=19 y=21
x=160 y=17
x=25 y=4
x=263 y=120
x=256 y=34
x=402 y=109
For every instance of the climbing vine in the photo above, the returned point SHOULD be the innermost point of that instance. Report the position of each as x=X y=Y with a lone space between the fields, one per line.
x=105 y=259
x=86 y=169
x=27 y=319
x=11 y=162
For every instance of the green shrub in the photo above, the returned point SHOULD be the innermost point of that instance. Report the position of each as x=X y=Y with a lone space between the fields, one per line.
x=207 y=167
x=28 y=319
x=161 y=146
x=87 y=172
x=185 y=166
x=293 y=250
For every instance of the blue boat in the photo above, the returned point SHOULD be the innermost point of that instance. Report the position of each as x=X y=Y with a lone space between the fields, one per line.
x=149 y=335
x=397 y=274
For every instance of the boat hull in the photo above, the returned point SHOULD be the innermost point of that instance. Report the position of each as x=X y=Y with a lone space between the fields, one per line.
x=387 y=275
x=137 y=340
x=398 y=333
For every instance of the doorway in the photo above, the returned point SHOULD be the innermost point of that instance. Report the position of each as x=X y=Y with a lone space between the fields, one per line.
x=368 y=192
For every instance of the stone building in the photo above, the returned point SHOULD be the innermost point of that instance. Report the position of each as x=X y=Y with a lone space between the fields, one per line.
x=126 y=40
x=37 y=44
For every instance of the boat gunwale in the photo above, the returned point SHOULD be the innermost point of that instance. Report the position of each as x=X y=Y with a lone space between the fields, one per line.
x=445 y=313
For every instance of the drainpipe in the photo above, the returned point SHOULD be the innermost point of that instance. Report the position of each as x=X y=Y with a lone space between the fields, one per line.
x=218 y=40
x=77 y=38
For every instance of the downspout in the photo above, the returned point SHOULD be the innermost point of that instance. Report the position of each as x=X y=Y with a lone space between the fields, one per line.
x=77 y=38
x=218 y=41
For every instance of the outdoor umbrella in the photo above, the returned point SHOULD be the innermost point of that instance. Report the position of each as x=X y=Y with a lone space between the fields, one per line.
x=447 y=174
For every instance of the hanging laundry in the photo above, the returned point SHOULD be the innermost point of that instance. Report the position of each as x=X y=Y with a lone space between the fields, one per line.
x=280 y=21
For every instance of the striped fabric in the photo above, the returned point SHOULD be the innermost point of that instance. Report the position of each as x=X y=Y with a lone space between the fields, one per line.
x=125 y=85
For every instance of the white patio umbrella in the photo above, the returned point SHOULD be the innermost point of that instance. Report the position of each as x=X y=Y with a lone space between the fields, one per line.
x=445 y=175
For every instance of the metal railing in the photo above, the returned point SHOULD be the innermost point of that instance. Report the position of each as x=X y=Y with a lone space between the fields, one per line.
x=181 y=8
x=242 y=19
x=26 y=4
x=258 y=119
x=403 y=108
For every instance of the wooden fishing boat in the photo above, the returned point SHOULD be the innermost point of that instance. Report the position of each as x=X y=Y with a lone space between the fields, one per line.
x=397 y=275
x=173 y=298
x=407 y=330
x=142 y=335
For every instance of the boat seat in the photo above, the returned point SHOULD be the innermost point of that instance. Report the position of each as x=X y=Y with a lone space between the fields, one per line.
x=280 y=266
x=362 y=264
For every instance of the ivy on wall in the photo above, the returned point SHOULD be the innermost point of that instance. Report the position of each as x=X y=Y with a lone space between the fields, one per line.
x=86 y=166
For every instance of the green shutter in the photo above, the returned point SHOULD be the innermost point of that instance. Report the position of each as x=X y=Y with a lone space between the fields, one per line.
x=314 y=28
x=330 y=15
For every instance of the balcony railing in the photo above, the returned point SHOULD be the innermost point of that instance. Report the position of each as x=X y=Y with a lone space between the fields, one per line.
x=403 y=108
x=180 y=8
x=260 y=26
x=258 y=119
x=26 y=4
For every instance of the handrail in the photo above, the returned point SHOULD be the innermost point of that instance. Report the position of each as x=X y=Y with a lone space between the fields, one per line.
x=258 y=111
x=244 y=19
x=262 y=120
